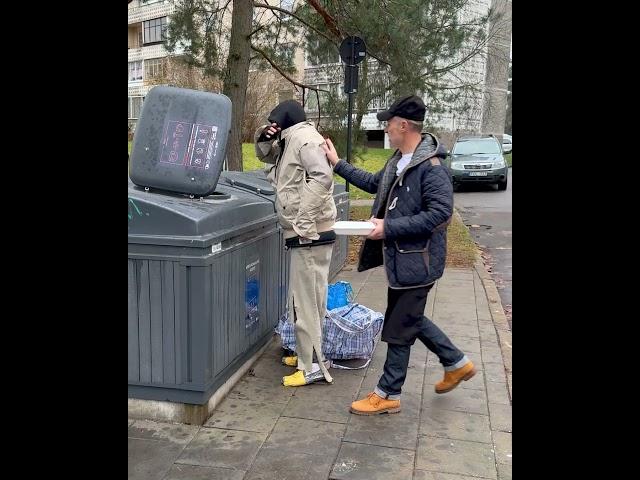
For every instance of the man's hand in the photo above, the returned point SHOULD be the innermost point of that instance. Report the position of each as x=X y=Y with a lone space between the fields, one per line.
x=378 y=232
x=330 y=150
x=271 y=130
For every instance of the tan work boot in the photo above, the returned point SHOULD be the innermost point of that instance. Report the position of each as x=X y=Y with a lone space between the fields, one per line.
x=373 y=405
x=453 y=378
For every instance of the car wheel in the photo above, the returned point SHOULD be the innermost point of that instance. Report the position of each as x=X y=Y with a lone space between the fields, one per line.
x=502 y=185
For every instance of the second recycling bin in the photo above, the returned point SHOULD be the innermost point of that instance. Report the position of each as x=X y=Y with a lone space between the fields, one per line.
x=341 y=247
x=256 y=181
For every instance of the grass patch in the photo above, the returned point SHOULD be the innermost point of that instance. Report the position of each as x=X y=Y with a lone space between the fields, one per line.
x=507 y=158
x=371 y=161
x=461 y=249
x=249 y=159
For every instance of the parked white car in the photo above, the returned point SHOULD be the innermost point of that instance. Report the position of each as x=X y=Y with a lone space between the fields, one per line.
x=506 y=143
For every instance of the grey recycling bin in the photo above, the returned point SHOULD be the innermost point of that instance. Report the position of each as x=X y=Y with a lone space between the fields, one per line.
x=341 y=247
x=257 y=184
x=204 y=259
x=204 y=281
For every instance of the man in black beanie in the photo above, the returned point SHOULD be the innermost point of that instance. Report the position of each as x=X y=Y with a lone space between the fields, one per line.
x=303 y=179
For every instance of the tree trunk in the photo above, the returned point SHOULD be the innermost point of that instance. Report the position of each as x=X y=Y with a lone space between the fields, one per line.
x=237 y=75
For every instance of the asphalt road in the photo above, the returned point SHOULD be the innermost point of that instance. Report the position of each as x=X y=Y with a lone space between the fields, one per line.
x=487 y=213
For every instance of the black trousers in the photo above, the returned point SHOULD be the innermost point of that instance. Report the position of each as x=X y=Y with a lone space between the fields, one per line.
x=407 y=306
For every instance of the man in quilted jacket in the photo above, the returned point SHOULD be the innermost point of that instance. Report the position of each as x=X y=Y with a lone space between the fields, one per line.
x=411 y=211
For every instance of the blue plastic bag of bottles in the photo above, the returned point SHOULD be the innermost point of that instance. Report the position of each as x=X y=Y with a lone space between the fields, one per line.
x=339 y=294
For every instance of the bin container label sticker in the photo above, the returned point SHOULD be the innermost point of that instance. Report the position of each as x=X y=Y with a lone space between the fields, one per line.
x=252 y=295
x=216 y=247
x=191 y=145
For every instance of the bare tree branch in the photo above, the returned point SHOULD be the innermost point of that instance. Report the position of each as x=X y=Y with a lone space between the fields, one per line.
x=456 y=87
x=257 y=30
x=281 y=72
x=262 y=14
x=496 y=30
x=378 y=58
x=304 y=22
x=477 y=49
x=319 y=32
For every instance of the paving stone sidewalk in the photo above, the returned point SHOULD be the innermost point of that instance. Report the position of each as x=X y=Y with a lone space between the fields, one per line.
x=265 y=431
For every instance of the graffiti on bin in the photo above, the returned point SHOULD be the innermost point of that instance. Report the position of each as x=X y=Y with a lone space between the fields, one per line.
x=133 y=209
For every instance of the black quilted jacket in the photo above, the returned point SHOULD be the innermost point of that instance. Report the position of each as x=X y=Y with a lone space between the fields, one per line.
x=416 y=207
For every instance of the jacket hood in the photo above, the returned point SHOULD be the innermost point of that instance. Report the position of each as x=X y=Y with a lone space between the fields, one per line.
x=287 y=114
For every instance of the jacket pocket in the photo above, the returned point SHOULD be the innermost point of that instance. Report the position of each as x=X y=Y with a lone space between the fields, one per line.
x=285 y=209
x=411 y=246
x=412 y=262
x=316 y=202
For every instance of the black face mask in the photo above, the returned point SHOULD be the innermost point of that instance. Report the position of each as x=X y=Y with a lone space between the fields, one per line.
x=287 y=114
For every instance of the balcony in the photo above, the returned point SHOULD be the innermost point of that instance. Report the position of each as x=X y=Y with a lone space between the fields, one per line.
x=147 y=12
x=144 y=53
x=137 y=89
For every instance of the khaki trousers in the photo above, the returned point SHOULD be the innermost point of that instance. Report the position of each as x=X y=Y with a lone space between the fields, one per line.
x=307 y=302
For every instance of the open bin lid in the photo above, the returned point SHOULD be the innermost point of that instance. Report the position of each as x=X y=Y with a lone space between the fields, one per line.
x=180 y=140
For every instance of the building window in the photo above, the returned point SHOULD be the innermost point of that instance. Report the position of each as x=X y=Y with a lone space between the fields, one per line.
x=135 y=71
x=135 y=104
x=328 y=58
x=317 y=54
x=286 y=4
x=155 y=30
x=378 y=103
x=153 y=68
x=289 y=52
x=135 y=36
x=312 y=99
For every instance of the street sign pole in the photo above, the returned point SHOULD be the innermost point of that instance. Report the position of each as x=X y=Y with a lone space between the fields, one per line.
x=349 y=121
x=352 y=51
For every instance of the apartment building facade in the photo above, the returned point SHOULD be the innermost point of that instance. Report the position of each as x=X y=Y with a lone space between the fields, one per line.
x=147 y=26
x=486 y=71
